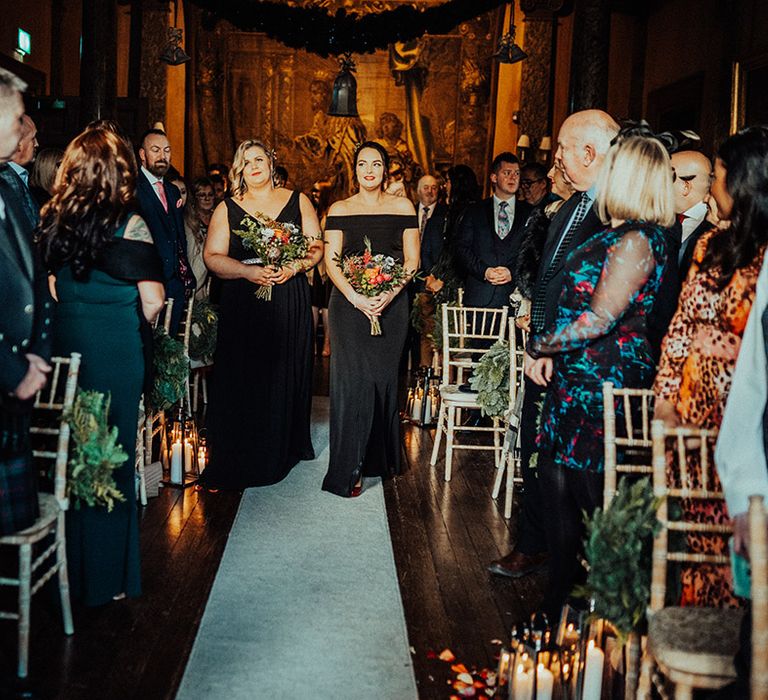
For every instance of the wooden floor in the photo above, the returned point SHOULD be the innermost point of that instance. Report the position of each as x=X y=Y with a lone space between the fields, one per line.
x=443 y=534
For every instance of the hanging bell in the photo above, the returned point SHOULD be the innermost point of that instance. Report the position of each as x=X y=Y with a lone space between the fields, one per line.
x=173 y=54
x=344 y=98
x=509 y=51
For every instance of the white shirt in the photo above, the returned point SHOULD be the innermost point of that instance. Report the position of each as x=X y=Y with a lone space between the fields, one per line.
x=693 y=217
x=510 y=210
x=152 y=180
x=740 y=450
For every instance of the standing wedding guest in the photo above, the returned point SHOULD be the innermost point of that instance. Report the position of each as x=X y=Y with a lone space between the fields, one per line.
x=43 y=174
x=490 y=237
x=535 y=184
x=14 y=172
x=582 y=143
x=198 y=210
x=220 y=186
x=261 y=392
x=699 y=352
x=532 y=246
x=160 y=206
x=24 y=330
x=365 y=425
x=693 y=173
x=599 y=335
x=107 y=279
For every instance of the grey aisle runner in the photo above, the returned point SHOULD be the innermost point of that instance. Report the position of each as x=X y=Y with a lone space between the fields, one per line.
x=306 y=601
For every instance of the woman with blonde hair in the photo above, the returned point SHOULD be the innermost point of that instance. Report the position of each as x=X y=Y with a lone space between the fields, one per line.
x=261 y=394
x=107 y=278
x=599 y=334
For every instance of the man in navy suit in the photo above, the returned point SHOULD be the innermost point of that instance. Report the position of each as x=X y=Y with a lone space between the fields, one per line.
x=16 y=175
x=490 y=236
x=160 y=206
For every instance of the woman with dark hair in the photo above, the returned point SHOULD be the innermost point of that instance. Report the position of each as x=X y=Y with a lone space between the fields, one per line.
x=261 y=393
x=43 y=174
x=365 y=426
x=462 y=189
x=107 y=279
x=699 y=352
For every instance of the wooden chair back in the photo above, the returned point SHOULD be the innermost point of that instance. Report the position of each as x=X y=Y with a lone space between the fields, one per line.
x=165 y=315
x=49 y=420
x=673 y=480
x=632 y=434
x=468 y=332
x=185 y=325
x=758 y=557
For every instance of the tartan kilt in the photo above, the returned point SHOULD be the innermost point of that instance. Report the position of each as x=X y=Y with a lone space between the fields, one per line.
x=18 y=481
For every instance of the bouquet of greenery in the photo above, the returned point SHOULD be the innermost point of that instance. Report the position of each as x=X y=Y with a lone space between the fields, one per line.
x=171 y=371
x=618 y=548
x=371 y=275
x=275 y=244
x=96 y=453
x=202 y=333
x=490 y=379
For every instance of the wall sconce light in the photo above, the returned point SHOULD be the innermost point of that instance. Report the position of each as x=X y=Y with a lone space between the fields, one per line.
x=344 y=97
x=523 y=147
x=545 y=149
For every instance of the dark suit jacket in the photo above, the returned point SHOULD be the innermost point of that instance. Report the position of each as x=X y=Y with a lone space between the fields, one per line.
x=21 y=194
x=666 y=297
x=27 y=306
x=478 y=247
x=434 y=237
x=687 y=247
x=554 y=285
x=168 y=234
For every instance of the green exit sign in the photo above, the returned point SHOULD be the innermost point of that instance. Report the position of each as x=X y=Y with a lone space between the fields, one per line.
x=24 y=42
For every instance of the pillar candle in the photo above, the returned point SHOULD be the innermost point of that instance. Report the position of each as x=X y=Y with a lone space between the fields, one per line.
x=593 y=672
x=187 y=455
x=177 y=469
x=545 y=682
x=522 y=684
x=201 y=460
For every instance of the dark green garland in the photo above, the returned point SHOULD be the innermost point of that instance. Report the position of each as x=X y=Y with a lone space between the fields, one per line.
x=95 y=454
x=202 y=334
x=171 y=371
x=618 y=548
x=490 y=379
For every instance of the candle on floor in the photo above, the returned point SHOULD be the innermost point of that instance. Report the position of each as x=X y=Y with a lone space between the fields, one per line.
x=522 y=684
x=416 y=412
x=201 y=460
x=177 y=468
x=187 y=456
x=545 y=683
x=502 y=675
x=593 y=672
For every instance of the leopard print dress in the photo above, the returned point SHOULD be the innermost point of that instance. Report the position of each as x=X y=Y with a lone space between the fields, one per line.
x=698 y=358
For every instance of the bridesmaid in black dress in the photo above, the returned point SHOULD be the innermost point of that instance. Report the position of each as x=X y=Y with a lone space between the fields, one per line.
x=365 y=426
x=261 y=393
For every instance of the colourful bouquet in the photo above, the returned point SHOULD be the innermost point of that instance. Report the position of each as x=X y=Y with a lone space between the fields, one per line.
x=275 y=244
x=371 y=275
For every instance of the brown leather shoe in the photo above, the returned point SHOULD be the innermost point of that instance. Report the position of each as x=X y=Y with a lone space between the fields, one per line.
x=517 y=564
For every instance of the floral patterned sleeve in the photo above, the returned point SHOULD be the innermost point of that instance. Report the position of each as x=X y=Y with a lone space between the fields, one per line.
x=677 y=342
x=628 y=265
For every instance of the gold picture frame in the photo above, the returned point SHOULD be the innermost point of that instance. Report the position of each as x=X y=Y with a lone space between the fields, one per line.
x=749 y=104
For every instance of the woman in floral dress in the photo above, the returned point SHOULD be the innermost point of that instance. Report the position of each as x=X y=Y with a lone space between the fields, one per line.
x=599 y=335
x=700 y=350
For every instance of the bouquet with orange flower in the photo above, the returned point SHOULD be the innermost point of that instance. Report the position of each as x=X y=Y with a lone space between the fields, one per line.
x=275 y=243
x=371 y=275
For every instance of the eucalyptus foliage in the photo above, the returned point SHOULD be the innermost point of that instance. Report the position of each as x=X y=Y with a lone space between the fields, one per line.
x=618 y=548
x=95 y=454
x=171 y=371
x=490 y=379
x=202 y=333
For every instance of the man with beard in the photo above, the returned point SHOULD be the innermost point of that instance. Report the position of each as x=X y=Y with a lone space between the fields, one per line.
x=15 y=172
x=160 y=206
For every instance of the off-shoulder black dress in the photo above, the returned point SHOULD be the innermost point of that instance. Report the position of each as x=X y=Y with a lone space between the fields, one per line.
x=365 y=425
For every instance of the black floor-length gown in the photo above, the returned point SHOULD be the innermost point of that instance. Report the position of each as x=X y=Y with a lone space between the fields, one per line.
x=365 y=425
x=261 y=392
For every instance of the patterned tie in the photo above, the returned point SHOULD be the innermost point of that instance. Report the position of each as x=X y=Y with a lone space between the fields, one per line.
x=161 y=194
x=539 y=302
x=424 y=219
x=502 y=221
